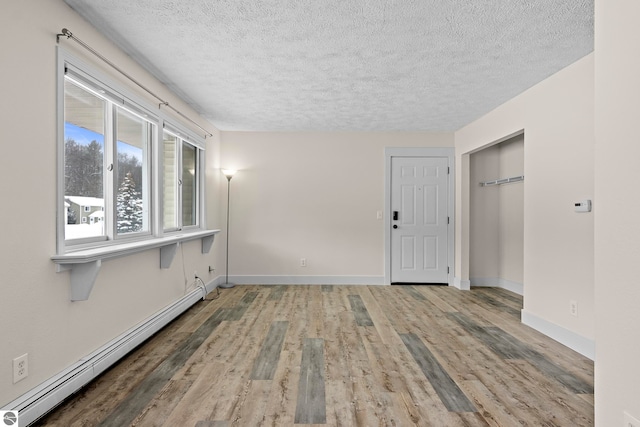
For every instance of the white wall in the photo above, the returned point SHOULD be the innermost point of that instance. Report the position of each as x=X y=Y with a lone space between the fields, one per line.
x=484 y=224
x=617 y=226
x=36 y=316
x=313 y=196
x=511 y=211
x=557 y=116
x=496 y=216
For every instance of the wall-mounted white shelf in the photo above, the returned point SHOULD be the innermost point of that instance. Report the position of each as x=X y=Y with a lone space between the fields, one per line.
x=85 y=264
x=502 y=181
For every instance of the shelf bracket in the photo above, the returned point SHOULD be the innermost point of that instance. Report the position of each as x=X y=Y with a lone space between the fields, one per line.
x=83 y=277
x=207 y=243
x=167 y=253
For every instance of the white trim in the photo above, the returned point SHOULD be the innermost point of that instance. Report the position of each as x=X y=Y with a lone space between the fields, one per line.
x=576 y=342
x=46 y=396
x=132 y=247
x=307 y=280
x=449 y=153
x=463 y=285
x=496 y=282
x=484 y=282
x=497 y=141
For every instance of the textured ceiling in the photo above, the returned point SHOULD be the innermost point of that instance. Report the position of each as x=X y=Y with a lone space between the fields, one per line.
x=355 y=65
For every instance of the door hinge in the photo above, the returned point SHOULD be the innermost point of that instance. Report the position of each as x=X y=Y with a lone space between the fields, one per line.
x=447 y=270
x=448 y=170
x=447 y=220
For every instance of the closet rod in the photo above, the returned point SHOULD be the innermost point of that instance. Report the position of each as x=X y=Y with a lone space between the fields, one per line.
x=66 y=33
x=502 y=181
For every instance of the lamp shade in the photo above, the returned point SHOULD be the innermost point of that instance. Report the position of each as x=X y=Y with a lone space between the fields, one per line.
x=229 y=173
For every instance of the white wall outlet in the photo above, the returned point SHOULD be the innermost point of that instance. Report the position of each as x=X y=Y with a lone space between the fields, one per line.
x=630 y=421
x=573 y=309
x=379 y=215
x=303 y=262
x=20 y=367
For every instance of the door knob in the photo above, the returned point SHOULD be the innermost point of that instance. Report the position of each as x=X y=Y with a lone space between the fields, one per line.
x=395 y=226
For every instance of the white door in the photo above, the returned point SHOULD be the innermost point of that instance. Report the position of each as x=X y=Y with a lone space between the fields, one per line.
x=419 y=219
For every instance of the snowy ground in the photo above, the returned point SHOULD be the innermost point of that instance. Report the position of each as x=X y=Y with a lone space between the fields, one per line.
x=81 y=231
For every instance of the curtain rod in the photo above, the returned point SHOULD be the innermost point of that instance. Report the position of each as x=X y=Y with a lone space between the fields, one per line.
x=70 y=35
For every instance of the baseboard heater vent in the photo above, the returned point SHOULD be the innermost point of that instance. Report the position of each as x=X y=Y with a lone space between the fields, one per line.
x=43 y=398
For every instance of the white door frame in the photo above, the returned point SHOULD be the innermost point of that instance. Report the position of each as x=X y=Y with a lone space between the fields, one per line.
x=449 y=153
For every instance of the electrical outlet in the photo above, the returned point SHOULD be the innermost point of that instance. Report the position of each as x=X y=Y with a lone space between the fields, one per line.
x=303 y=262
x=211 y=269
x=630 y=421
x=573 y=309
x=20 y=368
x=379 y=215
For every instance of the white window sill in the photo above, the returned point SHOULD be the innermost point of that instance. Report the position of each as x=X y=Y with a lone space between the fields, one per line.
x=85 y=264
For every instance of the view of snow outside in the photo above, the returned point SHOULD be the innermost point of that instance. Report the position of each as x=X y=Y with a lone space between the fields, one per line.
x=84 y=150
x=81 y=231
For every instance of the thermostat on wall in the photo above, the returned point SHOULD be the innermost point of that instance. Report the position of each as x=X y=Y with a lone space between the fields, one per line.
x=583 y=206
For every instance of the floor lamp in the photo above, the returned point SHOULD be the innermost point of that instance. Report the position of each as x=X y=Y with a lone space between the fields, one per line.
x=229 y=174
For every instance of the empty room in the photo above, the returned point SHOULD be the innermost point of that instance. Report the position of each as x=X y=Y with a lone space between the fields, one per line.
x=330 y=213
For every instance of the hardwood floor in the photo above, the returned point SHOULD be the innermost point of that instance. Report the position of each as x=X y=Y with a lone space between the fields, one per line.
x=343 y=356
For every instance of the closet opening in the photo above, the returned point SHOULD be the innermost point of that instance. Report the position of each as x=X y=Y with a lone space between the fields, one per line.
x=496 y=221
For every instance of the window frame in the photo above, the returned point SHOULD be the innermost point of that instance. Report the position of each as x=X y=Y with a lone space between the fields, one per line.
x=147 y=170
x=123 y=96
x=180 y=140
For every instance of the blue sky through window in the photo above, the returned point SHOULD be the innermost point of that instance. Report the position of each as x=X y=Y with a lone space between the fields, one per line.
x=84 y=136
x=131 y=150
x=81 y=135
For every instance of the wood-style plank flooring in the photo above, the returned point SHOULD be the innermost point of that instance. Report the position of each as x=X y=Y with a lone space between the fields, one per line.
x=342 y=356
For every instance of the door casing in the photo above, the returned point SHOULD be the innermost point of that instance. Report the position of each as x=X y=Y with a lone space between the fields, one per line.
x=449 y=153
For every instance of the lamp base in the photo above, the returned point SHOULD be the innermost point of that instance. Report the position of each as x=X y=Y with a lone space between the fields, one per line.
x=226 y=285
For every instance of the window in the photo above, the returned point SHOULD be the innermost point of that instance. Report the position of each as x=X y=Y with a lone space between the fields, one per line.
x=84 y=129
x=181 y=184
x=132 y=164
x=108 y=179
x=106 y=158
x=170 y=181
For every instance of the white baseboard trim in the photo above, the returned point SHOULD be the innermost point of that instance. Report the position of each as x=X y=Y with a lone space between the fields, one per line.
x=582 y=345
x=496 y=282
x=307 y=280
x=40 y=400
x=463 y=285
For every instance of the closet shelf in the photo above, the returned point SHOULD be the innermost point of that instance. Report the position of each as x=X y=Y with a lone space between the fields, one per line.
x=502 y=181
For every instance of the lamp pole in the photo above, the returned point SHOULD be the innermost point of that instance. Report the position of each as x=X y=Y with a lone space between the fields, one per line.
x=229 y=174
